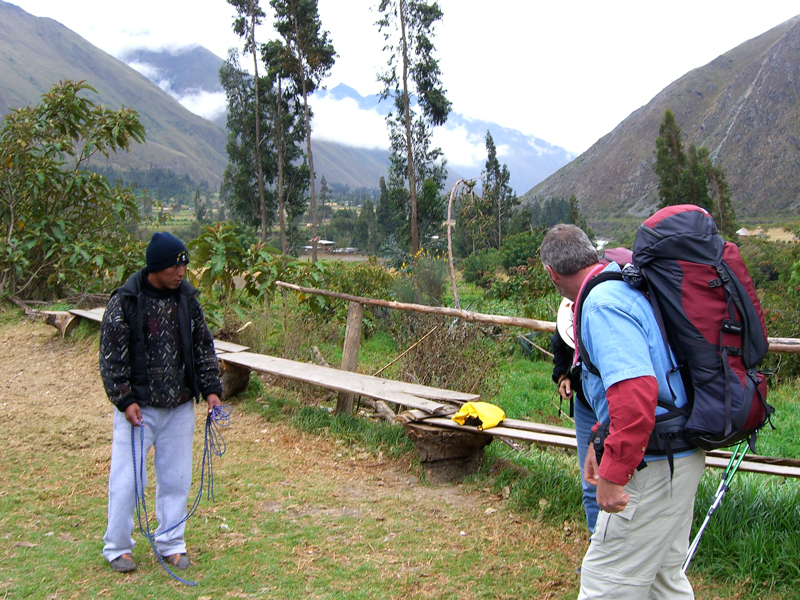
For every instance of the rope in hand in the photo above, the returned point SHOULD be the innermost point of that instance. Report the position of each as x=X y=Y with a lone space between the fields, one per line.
x=213 y=444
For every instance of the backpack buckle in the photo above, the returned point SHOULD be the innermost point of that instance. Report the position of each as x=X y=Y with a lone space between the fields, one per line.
x=733 y=351
x=715 y=283
x=732 y=327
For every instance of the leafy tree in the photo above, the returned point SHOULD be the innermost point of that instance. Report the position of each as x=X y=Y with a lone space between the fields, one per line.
x=365 y=231
x=280 y=154
x=576 y=218
x=245 y=161
x=308 y=58
x=691 y=177
x=250 y=15
x=324 y=193
x=407 y=26
x=64 y=228
x=670 y=160
x=722 y=207
x=384 y=216
x=289 y=131
x=497 y=191
x=342 y=225
x=200 y=207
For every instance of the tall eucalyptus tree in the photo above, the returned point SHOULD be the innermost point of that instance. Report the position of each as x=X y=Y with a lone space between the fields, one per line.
x=412 y=74
x=250 y=15
x=308 y=57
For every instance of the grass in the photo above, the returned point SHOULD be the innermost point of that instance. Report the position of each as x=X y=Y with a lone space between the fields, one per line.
x=307 y=509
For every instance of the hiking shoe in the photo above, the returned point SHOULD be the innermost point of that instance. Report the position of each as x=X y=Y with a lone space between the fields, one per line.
x=123 y=563
x=177 y=561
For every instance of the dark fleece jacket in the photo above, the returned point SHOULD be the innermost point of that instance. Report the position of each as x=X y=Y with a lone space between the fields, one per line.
x=155 y=346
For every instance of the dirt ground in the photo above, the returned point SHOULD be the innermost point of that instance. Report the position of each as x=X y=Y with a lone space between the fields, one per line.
x=51 y=397
x=52 y=394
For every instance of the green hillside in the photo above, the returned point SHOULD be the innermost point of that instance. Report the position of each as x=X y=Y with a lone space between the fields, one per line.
x=37 y=52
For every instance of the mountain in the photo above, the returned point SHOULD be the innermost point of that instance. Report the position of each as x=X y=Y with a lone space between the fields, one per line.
x=37 y=52
x=744 y=106
x=529 y=159
x=189 y=74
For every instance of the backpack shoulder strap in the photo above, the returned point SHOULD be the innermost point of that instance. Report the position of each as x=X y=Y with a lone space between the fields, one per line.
x=590 y=285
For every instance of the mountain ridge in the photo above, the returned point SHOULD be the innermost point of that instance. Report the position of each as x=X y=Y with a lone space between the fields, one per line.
x=742 y=106
x=36 y=52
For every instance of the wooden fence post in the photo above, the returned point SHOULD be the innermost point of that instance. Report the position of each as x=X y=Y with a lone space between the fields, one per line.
x=352 y=341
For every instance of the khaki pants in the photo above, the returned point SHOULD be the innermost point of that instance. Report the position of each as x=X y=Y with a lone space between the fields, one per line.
x=637 y=554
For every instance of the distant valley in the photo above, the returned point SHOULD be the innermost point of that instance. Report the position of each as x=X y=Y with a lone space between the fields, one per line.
x=744 y=107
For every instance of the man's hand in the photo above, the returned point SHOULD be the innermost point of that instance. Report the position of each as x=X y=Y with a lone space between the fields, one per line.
x=213 y=401
x=611 y=497
x=565 y=387
x=134 y=414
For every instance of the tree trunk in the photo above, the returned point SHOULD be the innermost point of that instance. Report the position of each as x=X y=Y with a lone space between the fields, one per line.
x=259 y=170
x=280 y=144
x=314 y=238
x=412 y=183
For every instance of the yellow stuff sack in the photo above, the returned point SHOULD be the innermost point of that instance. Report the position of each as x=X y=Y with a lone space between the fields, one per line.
x=480 y=414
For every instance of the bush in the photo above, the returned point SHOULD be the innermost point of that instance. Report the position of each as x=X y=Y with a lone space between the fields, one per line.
x=66 y=230
x=424 y=280
x=457 y=355
x=520 y=249
x=480 y=268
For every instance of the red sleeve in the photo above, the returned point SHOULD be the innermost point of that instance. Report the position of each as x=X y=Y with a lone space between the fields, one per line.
x=632 y=411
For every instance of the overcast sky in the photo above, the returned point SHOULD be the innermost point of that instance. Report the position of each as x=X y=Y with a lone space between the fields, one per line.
x=565 y=72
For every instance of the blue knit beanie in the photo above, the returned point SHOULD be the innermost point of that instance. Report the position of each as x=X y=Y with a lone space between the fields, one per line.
x=164 y=251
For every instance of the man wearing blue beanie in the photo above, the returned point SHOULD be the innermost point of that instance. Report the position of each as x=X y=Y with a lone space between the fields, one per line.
x=156 y=355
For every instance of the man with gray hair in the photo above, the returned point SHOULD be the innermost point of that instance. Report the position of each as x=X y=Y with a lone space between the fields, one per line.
x=642 y=533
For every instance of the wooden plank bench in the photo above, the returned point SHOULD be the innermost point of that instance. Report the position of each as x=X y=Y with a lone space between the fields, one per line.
x=446 y=449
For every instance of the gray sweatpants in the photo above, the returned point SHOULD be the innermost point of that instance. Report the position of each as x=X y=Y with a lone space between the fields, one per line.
x=637 y=554
x=170 y=431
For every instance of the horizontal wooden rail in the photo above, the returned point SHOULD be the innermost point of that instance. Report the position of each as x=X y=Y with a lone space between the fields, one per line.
x=472 y=317
x=785 y=345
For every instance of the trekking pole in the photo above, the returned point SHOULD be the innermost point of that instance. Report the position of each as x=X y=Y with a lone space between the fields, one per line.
x=727 y=476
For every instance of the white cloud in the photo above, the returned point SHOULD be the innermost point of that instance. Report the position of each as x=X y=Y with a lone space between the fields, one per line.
x=459 y=147
x=503 y=150
x=208 y=105
x=540 y=150
x=344 y=122
x=149 y=71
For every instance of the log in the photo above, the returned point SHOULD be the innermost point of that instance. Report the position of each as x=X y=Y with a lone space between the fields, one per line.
x=466 y=315
x=447 y=455
x=234 y=379
x=64 y=321
x=381 y=409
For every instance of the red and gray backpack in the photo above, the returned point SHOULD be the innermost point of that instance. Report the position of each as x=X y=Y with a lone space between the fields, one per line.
x=706 y=305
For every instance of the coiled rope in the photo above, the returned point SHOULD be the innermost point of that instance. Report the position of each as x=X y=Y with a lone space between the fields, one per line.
x=213 y=444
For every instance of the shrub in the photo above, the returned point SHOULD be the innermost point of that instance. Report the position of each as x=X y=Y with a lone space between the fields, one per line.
x=520 y=249
x=457 y=355
x=480 y=268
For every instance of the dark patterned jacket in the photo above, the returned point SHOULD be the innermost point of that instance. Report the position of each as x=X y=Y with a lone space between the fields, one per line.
x=155 y=346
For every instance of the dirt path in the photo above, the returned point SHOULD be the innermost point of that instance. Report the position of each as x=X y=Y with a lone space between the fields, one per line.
x=52 y=400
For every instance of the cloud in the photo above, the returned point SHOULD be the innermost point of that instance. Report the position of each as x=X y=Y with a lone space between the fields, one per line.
x=459 y=146
x=149 y=71
x=209 y=105
x=344 y=122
